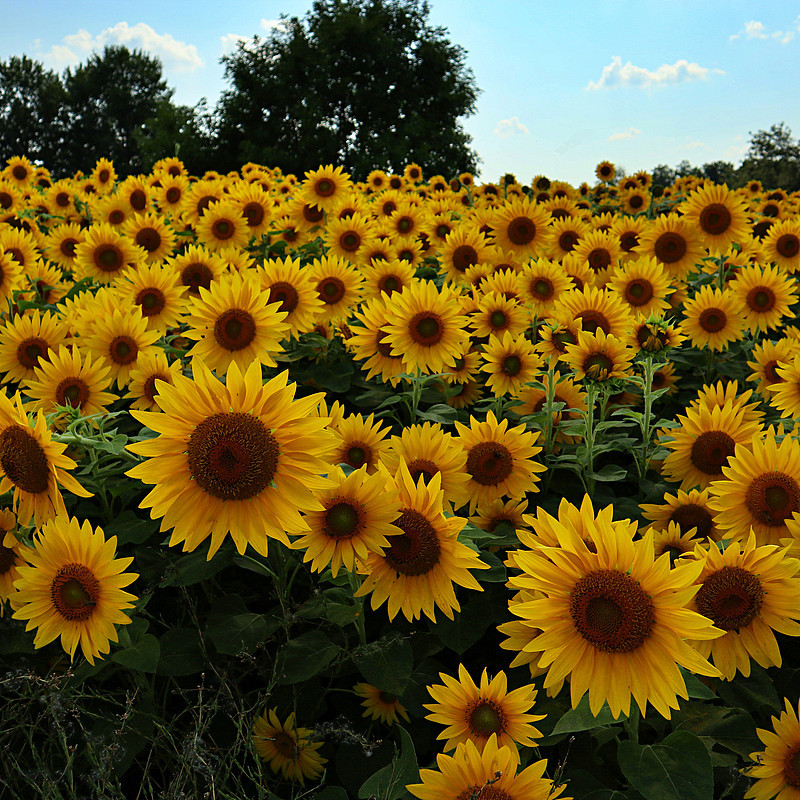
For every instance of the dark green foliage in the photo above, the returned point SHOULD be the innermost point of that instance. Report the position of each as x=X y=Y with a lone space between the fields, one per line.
x=366 y=84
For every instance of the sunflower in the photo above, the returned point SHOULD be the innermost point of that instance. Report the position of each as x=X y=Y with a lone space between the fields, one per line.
x=151 y=233
x=158 y=294
x=777 y=770
x=497 y=315
x=635 y=201
x=380 y=705
x=781 y=245
x=565 y=235
x=11 y=277
x=339 y=286
x=674 y=542
x=136 y=194
x=323 y=187
x=150 y=367
x=653 y=335
x=720 y=393
x=105 y=254
x=356 y=517
x=597 y=310
x=425 y=328
x=521 y=226
x=511 y=362
x=674 y=243
x=427 y=450
x=605 y=171
x=718 y=214
x=170 y=194
x=628 y=230
x=600 y=251
x=613 y=618
x=72 y=587
x=543 y=284
x=348 y=237
x=71 y=378
x=767 y=357
x=472 y=713
x=749 y=592
x=61 y=242
x=287 y=283
x=255 y=205
x=686 y=510
x=765 y=295
x=32 y=465
x=462 y=248
x=21 y=245
x=491 y=774
x=240 y=458
x=643 y=284
x=417 y=572
x=223 y=225
x=287 y=748
x=197 y=268
x=785 y=394
x=359 y=442
x=713 y=319
x=369 y=342
x=762 y=490
x=198 y=197
x=703 y=443
x=234 y=323
x=26 y=341
x=558 y=331
x=499 y=460
x=385 y=277
x=47 y=283
x=598 y=356
x=120 y=336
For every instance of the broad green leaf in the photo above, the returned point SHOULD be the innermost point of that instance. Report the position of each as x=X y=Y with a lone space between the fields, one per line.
x=232 y=628
x=142 y=655
x=304 y=657
x=390 y=782
x=181 y=653
x=387 y=665
x=582 y=719
x=467 y=625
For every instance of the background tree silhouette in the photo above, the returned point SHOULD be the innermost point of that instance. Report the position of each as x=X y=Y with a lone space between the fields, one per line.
x=367 y=84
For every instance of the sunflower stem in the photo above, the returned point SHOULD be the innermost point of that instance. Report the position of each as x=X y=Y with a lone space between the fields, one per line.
x=359 y=602
x=643 y=457
x=588 y=439
x=632 y=725
x=548 y=409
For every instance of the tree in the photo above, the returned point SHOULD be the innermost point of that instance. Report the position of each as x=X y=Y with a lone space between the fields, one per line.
x=367 y=84
x=773 y=158
x=32 y=112
x=110 y=99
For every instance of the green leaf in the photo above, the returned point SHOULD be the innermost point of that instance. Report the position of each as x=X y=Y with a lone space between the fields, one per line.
x=390 y=782
x=679 y=768
x=142 y=656
x=330 y=793
x=753 y=693
x=181 y=653
x=695 y=688
x=441 y=412
x=128 y=528
x=196 y=567
x=732 y=728
x=610 y=472
x=232 y=628
x=582 y=719
x=467 y=626
x=387 y=664
x=304 y=657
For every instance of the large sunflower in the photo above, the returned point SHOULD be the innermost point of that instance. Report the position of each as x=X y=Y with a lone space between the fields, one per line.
x=597 y=310
x=521 y=226
x=152 y=233
x=357 y=515
x=777 y=770
x=713 y=318
x=472 y=713
x=781 y=245
x=499 y=460
x=613 y=618
x=235 y=323
x=255 y=205
x=765 y=295
x=749 y=592
x=287 y=748
x=293 y=287
x=425 y=328
x=599 y=357
x=348 y=237
x=761 y=489
x=600 y=251
x=643 y=284
x=490 y=774
x=71 y=378
x=686 y=510
x=427 y=450
x=197 y=268
x=73 y=588
x=462 y=248
x=417 y=572
x=511 y=362
x=240 y=458
x=704 y=441
x=324 y=186
x=785 y=393
x=369 y=342
x=720 y=216
x=673 y=242
x=543 y=283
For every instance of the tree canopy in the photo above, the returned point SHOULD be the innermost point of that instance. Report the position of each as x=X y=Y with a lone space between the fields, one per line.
x=367 y=84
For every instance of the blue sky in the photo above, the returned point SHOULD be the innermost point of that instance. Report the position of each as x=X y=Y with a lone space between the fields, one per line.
x=563 y=86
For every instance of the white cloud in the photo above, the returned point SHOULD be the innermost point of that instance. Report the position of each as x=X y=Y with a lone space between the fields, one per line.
x=229 y=41
x=617 y=74
x=510 y=127
x=273 y=25
x=174 y=54
x=628 y=134
x=753 y=29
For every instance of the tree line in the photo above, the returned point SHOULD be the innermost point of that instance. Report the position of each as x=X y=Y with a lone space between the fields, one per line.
x=368 y=84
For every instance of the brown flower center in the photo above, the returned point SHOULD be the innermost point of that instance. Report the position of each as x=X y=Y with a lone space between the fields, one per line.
x=223 y=229
x=599 y=259
x=235 y=329
x=485 y=718
x=108 y=258
x=23 y=460
x=542 y=289
x=594 y=319
x=74 y=592
x=254 y=214
x=344 y=519
x=598 y=366
x=149 y=389
x=691 y=516
x=567 y=241
x=29 y=351
x=350 y=241
x=173 y=195
x=330 y=290
x=464 y=256
x=772 y=498
x=628 y=241
x=72 y=392
x=151 y=301
x=711 y=451
x=149 y=239
x=489 y=463
x=731 y=598
x=512 y=365
x=416 y=551
x=639 y=292
x=389 y=284
x=521 y=231
x=196 y=275
x=426 y=328
x=761 y=299
x=715 y=219
x=670 y=247
x=713 y=320
x=611 y=611
x=286 y=745
x=123 y=350
x=324 y=187
x=788 y=245
x=138 y=200
x=791 y=767
x=284 y=293
x=233 y=456
x=485 y=792
x=421 y=466
x=498 y=318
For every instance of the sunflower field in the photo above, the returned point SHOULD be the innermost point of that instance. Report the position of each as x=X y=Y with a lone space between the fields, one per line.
x=415 y=487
